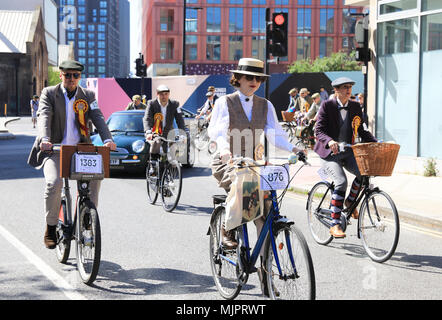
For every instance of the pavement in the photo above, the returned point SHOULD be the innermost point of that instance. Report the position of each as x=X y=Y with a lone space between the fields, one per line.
x=418 y=198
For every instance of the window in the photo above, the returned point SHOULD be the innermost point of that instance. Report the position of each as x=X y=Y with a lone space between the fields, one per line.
x=81 y=52
x=103 y=4
x=325 y=46
x=258 y=47
x=91 y=52
x=101 y=27
x=101 y=69
x=305 y=2
x=398 y=6
x=90 y=27
x=103 y=12
x=213 y=19
x=91 y=44
x=91 y=69
x=431 y=5
x=91 y=60
x=214 y=1
x=166 y=49
x=101 y=44
x=258 y=20
x=281 y=2
x=192 y=20
x=101 y=36
x=81 y=36
x=101 y=53
x=326 y=20
x=103 y=19
x=304 y=20
x=81 y=18
x=71 y=36
x=236 y=1
x=91 y=36
x=213 y=48
x=81 y=44
x=101 y=60
x=166 y=19
x=327 y=2
x=235 y=47
x=258 y=1
x=303 y=48
x=191 y=47
x=236 y=20
x=348 y=22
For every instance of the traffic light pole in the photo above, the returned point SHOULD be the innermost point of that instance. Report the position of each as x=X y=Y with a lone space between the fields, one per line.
x=267 y=71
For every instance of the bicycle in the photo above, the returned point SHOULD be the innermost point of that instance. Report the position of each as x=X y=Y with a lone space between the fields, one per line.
x=378 y=217
x=164 y=177
x=287 y=262
x=301 y=133
x=83 y=163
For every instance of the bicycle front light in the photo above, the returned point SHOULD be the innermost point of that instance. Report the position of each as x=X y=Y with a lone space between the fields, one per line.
x=138 y=146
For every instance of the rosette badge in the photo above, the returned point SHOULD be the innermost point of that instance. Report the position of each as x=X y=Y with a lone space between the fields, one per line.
x=80 y=108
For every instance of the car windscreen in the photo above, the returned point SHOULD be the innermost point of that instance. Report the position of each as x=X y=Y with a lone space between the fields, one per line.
x=126 y=123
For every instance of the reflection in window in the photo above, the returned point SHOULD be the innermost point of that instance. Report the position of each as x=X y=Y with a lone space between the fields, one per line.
x=303 y=48
x=398 y=6
x=191 y=47
x=325 y=46
x=431 y=5
x=166 y=19
x=326 y=20
x=398 y=36
x=235 y=47
x=213 y=19
x=191 y=20
x=213 y=48
x=258 y=20
x=348 y=22
x=166 y=49
x=236 y=20
x=258 y=47
x=304 y=20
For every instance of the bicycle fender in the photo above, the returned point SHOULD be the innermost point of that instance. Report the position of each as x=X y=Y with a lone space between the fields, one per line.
x=212 y=219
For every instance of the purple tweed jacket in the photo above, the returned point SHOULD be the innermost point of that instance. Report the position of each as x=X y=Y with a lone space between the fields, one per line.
x=327 y=125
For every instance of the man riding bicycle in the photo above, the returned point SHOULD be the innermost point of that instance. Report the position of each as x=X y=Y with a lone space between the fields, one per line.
x=62 y=118
x=339 y=120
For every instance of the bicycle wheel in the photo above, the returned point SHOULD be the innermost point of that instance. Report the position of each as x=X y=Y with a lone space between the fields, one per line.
x=202 y=139
x=224 y=262
x=88 y=240
x=319 y=220
x=289 y=266
x=290 y=131
x=379 y=226
x=151 y=183
x=171 y=184
x=63 y=247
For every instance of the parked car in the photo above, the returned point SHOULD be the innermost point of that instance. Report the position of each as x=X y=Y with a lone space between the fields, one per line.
x=132 y=151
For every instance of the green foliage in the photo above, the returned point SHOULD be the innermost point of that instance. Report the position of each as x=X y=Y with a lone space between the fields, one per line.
x=53 y=76
x=430 y=168
x=338 y=61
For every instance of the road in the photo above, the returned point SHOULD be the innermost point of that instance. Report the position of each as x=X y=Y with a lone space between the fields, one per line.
x=148 y=254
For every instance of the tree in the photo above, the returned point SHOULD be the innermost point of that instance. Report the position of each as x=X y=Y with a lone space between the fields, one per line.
x=338 y=61
x=53 y=76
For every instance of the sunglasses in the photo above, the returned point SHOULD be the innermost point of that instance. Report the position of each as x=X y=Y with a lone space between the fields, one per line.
x=346 y=87
x=258 y=78
x=70 y=75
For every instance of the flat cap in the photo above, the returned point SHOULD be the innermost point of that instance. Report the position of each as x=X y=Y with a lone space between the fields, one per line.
x=71 y=65
x=340 y=81
x=163 y=88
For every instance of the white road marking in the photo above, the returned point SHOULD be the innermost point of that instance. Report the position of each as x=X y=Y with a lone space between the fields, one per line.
x=47 y=271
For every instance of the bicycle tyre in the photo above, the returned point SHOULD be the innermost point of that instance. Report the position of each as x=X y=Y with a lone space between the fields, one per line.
x=379 y=214
x=88 y=242
x=319 y=225
x=151 y=185
x=63 y=247
x=290 y=131
x=297 y=278
x=171 y=185
x=202 y=140
x=225 y=274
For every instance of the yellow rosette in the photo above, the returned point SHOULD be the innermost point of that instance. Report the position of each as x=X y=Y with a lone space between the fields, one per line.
x=355 y=124
x=158 y=120
x=80 y=108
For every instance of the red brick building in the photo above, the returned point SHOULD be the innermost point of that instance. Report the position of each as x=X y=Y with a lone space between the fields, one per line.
x=219 y=32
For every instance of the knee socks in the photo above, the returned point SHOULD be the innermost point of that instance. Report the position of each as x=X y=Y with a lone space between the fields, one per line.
x=356 y=185
x=337 y=203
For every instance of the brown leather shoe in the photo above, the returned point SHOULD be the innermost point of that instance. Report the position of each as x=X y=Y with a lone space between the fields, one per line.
x=228 y=239
x=336 y=231
x=50 y=238
x=355 y=213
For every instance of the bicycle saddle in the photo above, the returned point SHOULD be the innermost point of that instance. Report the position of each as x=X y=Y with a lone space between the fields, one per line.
x=219 y=198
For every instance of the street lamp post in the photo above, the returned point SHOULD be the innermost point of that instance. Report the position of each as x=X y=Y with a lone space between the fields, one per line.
x=183 y=71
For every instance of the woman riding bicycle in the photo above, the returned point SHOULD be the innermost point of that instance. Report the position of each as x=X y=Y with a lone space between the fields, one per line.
x=240 y=117
x=339 y=120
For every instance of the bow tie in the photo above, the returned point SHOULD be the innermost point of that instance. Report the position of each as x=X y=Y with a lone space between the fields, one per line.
x=340 y=108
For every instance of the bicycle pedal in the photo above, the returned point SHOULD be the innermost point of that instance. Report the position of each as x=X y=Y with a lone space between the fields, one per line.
x=253 y=269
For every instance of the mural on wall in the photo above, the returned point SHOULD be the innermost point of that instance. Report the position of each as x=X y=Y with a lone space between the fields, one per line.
x=114 y=94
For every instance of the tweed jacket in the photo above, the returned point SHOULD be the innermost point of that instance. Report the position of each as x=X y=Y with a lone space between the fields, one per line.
x=51 y=122
x=173 y=112
x=328 y=125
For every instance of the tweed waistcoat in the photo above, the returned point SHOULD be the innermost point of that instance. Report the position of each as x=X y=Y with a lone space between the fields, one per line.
x=244 y=134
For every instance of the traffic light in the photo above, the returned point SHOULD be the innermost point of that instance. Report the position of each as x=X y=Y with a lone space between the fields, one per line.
x=361 y=37
x=140 y=67
x=279 y=34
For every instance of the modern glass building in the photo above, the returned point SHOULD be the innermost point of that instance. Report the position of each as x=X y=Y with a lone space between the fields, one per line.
x=406 y=73
x=219 y=32
x=93 y=26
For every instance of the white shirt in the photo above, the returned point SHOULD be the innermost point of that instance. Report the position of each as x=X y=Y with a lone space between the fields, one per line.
x=343 y=111
x=163 y=111
x=71 y=135
x=219 y=124
x=206 y=106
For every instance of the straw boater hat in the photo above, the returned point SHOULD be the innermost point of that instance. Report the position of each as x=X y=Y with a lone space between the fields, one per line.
x=250 y=66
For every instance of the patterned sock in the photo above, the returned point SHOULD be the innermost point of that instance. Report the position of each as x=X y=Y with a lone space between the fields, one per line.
x=337 y=203
x=356 y=185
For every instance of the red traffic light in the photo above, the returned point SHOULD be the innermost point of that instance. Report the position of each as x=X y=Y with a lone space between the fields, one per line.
x=279 y=19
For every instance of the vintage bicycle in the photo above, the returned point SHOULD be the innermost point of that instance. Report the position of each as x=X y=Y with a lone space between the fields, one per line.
x=84 y=163
x=164 y=177
x=288 y=265
x=378 y=222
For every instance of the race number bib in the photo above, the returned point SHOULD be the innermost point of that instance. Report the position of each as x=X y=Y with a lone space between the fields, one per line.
x=89 y=163
x=274 y=177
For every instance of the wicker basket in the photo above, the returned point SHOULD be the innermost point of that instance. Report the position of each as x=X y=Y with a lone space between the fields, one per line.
x=376 y=159
x=287 y=116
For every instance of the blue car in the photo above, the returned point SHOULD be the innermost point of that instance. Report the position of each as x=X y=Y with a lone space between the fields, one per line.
x=132 y=150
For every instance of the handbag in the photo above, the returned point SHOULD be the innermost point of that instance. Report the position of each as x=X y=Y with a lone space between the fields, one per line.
x=245 y=200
